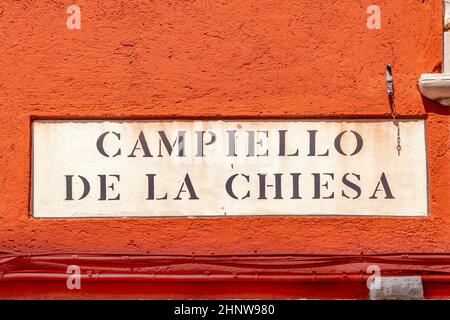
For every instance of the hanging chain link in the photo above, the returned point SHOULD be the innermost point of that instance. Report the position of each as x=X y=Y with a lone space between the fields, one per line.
x=394 y=120
x=391 y=93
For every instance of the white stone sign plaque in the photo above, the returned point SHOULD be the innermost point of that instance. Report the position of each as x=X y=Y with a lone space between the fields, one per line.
x=165 y=168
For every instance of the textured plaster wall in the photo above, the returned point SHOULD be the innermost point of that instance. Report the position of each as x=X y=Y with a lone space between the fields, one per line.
x=210 y=59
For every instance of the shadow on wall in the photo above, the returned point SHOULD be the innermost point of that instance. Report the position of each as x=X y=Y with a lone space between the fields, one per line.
x=431 y=106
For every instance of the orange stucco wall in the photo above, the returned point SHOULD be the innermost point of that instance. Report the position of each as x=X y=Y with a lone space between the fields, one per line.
x=216 y=59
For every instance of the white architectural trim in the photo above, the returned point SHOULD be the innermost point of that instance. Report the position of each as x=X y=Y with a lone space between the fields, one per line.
x=436 y=86
x=446 y=60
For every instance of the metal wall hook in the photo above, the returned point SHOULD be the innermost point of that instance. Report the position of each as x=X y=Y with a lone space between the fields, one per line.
x=391 y=94
x=390 y=81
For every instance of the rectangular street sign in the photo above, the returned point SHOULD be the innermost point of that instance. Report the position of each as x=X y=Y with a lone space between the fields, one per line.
x=165 y=168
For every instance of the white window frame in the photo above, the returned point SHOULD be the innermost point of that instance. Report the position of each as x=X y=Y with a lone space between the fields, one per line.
x=436 y=86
